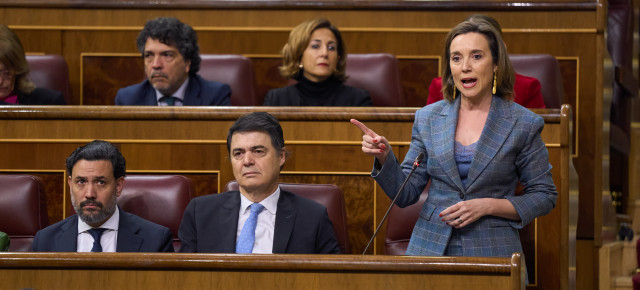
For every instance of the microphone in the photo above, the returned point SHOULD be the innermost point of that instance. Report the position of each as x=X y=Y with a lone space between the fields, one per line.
x=416 y=163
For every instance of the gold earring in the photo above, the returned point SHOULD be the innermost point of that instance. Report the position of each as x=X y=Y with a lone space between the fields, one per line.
x=494 y=84
x=454 y=92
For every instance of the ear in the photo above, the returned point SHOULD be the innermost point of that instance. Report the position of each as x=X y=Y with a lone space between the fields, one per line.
x=69 y=181
x=119 y=185
x=188 y=63
x=283 y=156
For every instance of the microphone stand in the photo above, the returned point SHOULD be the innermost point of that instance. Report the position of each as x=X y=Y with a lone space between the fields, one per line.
x=416 y=163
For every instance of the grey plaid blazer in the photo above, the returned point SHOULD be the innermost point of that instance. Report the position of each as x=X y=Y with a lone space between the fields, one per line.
x=509 y=150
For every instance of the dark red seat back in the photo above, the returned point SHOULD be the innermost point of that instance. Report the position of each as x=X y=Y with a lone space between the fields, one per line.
x=378 y=74
x=23 y=209
x=161 y=199
x=234 y=70
x=50 y=71
x=545 y=68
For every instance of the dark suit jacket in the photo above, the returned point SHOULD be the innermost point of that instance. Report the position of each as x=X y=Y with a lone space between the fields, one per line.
x=200 y=92
x=345 y=96
x=210 y=225
x=526 y=89
x=39 y=96
x=135 y=234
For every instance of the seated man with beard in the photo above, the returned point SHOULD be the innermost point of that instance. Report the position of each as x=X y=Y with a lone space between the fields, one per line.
x=171 y=57
x=96 y=178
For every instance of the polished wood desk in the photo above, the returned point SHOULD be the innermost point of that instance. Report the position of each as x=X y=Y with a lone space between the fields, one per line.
x=323 y=148
x=217 y=271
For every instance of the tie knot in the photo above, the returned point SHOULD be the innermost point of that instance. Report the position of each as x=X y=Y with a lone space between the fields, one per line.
x=96 y=233
x=170 y=100
x=256 y=208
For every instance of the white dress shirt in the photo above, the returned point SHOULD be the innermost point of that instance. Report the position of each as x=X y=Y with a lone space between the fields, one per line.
x=266 y=222
x=109 y=237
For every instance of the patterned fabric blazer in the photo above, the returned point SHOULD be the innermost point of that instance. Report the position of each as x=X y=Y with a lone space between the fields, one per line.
x=509 y=150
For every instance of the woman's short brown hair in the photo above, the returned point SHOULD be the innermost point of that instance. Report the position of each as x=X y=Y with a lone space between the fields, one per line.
x=505 y=75
x=12 y=56
x=298 y=42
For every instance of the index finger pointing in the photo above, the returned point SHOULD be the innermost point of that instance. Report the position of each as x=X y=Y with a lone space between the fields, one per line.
x=364 y=128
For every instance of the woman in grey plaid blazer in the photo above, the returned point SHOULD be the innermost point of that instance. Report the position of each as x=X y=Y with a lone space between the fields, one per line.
x=478 y=144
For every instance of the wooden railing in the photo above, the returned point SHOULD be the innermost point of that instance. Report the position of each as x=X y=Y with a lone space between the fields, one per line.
x=215 y=271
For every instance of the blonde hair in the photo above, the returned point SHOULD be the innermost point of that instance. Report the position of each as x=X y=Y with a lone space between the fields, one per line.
x=13 y=58
x=505 y=75
x=298 y=42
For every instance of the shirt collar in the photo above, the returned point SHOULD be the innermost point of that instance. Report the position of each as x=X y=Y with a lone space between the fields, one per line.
x=178 y=94
x=270 y=203
x=111 y=223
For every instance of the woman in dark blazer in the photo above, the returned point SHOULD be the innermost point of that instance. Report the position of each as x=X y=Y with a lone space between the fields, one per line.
x=478 y=144
x=316 y=57
x=15 y=86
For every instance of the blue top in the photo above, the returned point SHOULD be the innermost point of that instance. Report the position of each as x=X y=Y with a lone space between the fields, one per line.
x=464 y=156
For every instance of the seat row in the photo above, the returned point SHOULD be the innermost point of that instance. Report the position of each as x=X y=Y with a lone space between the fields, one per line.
x=161 y=199
x=376 y=72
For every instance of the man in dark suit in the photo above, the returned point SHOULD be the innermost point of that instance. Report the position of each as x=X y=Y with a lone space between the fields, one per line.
x=96 y=178
x=260 y=217
x=171 y=63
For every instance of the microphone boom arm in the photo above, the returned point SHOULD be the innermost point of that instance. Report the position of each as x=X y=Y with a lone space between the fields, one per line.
x=416 y=163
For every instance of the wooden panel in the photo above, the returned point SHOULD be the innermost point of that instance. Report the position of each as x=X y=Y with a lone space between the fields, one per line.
x=416 y=76
x=209 y=271
x=103 y=76
x=267 y=75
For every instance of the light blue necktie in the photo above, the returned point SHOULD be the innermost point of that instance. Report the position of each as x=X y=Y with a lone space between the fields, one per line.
x=248 y=234
x=96 y=234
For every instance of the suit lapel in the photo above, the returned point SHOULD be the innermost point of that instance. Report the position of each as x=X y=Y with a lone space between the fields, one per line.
x=150 y=98
x=128 y=239
x=192 y=94
x=227 y=223
x=443 y=132
x=67 y=239
x=496 y=130
x=285 y=217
